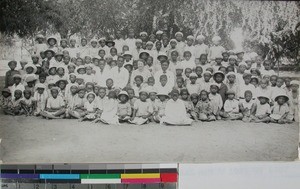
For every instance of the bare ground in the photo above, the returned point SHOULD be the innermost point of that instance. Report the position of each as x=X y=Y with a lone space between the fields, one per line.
x=36 y=140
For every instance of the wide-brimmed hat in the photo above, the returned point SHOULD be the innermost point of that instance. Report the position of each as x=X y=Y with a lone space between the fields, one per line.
x=262 y=95
x=40 y=86
x=282 y=95
x=58 y=53
x=294 y=82
x=59 y=80
x=6 y=90
x=179 y=33
x=80 y=67
x=143 y=52
x=162 y=93
x=230 y=73
x=52 y=37
x=123 y=93
x=30 y=78
x=220 y=73
x=55 y=88
x=215 y=84
x=128 y=53
x=200 y=37
x=32 y=66
x=90 y=93
x=110 y=41
x=49 y=50
x=39 y=36
x=162 y=54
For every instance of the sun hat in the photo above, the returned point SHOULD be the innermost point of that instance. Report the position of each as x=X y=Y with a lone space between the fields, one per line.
x=282 y=95
x=80 y=67
x=233 y=57
x=40 y=86
x=149 y=43
x=39 y=36
x=123 y=93
x=30 y=78
x=144 y=33
x=207 y=72
x=59 y=80
x=216 y=38
x=162 y=54
x=49 y=50
x=128 y=53
x=230 y=73
x=51 y=37
x=215 y=84
x=262 y=95
x=193 y=75
x=163 y=93
x=178 y=33
x=90 y=93
x=143 y=52
x=190 y=37
x=243 y=64
x=219 y=72
x=239 y=51
x=173 y=40
x=31 y=66
x=159 y=32
x=17 y=76
x=58 y=53
x=138 y=41
x=54 y=88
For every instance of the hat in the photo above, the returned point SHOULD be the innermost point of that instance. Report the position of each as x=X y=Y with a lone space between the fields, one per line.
x=59 y=80
x=207 y=72
x=282 y=95
x=193 y=75
x=219 y=56
x=138 y=41
x=89 y=83
x=40 y=36
x=294 y=82
x=73 y=85
x=162 y=54
x=52 y=37
x=179 y=33
x=32 y=66
x=81 y=87
x=40 y=85
x=190 y=37
x=30 y=78
x=230 y=73
x=6 y=90
x=96 y=57
x=123 y=93
x=254 y=77
x=233 y=57
x=91 y=93
x=246 y=74
x=262 y=95
x=230 y=91
x=143 y=33
x=128 y=53
x=219 y=72
x=110 y=41
x=54 y=88
x=143 y=91
x=52 y=82
x=173 y=40
x=163 y=93
x=200 y=37
x=142 y=53
x=215 y=84
x=73 y=74
x=174 y=91
x=58 y=53
x=243 y=64
x=216 y=38
x=159 y=32
x=179 y=67
x=149 y=43
x=17 y=76
x=94 y=40
x=49 y=50
x=225 y=52
x=80 y=67
x=151 y=89
x=102 y=39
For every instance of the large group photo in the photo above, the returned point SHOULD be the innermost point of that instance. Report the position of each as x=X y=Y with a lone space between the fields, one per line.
x=220 y=78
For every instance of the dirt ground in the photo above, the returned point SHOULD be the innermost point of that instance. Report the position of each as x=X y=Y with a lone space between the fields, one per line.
x=31 y=139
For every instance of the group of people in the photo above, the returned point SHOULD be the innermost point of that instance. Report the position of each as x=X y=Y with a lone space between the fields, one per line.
x=148 y=78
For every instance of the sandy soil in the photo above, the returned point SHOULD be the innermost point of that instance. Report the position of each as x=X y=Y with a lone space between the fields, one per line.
x=31 y=139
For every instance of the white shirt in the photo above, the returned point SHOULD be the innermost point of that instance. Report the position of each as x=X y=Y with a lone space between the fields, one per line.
x=170 y=76
x=130 y=43
x=120 y=77
x=119 y=43
x=201 y=49
x=101 y=77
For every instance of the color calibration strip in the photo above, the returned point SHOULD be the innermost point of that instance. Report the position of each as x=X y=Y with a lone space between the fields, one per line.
x=112 y=174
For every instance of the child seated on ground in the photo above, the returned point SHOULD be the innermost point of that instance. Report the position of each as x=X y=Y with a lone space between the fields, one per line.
x=175 y=112
x=280 y=110
x=6 y=101
x=216 y=100
x=76 y=108
x=55 y=108
x=204 y=108
x=260 y=111
x=15 y=105
x=142 y=111
x=231 y=107
x=108 y=113
x=189 y=107
x=160 y=105
x=90 y=107
x=124 y=108
x=245 y=105
x=27 y=103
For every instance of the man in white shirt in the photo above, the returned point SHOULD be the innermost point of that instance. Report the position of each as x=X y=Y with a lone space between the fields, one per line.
x=119 y=42
x=119 y=74
x=102 y=74
x=130 y=41
x=200 y=48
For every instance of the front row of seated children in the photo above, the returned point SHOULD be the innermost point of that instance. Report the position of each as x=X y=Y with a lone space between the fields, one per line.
x=175 y=108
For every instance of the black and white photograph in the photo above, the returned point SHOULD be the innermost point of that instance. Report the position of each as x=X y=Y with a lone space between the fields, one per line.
x=149 y=81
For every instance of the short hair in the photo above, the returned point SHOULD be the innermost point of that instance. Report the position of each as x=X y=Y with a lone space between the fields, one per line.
x=140 y=77
x=248 y=91
x=163 y=76
x=184 y=90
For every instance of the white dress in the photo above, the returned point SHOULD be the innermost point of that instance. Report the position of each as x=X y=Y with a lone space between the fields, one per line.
x=175 y=113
